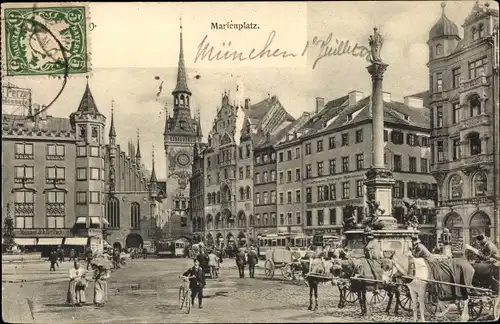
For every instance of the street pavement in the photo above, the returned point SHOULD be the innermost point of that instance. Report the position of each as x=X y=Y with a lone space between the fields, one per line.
x=147 y=292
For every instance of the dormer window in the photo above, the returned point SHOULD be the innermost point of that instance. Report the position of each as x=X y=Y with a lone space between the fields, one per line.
x=439 y=49
x=474 y=33
x=349 y=117
x=481 y=31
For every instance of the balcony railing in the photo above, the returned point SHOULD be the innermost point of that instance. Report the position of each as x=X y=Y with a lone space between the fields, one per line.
x=469 y=84
x=477 y=159
x=475 y=121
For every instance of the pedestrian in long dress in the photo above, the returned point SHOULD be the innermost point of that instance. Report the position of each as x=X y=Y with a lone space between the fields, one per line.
x=101 y=285
x=77 y=285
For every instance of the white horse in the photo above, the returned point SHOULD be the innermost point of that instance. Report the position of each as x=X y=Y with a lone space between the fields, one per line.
x=399 y=265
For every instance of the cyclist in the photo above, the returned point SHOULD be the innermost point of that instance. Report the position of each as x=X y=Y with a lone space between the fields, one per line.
x=196 y=283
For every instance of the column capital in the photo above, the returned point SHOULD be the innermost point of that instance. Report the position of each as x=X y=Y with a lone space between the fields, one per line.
x=377 y=70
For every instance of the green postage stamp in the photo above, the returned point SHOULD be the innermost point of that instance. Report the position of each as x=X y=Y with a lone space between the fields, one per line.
x=48 y=40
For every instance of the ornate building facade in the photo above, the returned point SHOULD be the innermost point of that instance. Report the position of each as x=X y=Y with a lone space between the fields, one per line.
x=182 y=131
x=60 y=190
x=321 y=165
x=463 y=84
x=229 y=176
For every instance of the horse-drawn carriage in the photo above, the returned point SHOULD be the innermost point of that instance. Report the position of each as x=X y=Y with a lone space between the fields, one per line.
x=286 y=260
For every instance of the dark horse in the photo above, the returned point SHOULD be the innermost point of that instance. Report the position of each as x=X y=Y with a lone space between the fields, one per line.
x=363 y=268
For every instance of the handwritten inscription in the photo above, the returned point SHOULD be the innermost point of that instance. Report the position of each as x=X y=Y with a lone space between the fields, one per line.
x=208 y=51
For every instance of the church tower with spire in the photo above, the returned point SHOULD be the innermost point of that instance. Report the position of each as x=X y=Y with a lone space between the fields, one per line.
x=182 y=130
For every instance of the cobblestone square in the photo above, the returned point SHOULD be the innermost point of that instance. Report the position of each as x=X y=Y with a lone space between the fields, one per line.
x=147 y=292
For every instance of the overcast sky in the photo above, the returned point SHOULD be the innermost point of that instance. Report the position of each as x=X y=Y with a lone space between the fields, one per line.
x=134 y=42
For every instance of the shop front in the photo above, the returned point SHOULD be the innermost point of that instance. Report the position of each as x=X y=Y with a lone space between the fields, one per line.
x=42 y=240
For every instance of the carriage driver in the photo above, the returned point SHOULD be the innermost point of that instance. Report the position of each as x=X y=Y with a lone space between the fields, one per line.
x=487 y=249
x=372 y=248
x=419 y=250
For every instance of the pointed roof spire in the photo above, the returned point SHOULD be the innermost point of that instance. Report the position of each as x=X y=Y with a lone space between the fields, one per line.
x=112 y=131
x=181 y=85
x=138 y=154
x=153 y=173
x=87 y=104
x=198 y=128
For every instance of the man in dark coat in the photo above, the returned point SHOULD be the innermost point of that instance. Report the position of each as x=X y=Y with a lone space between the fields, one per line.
x=241 y=262
x=72 y=255
x=252 y=260
x=202 y=258
x=53 y=261
x=197 y=283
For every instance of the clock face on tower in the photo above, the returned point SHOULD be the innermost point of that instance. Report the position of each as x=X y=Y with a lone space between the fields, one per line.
x=183 y=159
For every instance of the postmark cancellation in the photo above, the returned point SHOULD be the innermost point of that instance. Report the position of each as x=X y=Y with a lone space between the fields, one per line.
x=45 y=39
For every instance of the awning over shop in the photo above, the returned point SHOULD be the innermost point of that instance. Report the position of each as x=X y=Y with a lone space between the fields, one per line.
x=50 y=241
x=81 y=220
x=76 y=241
x=25 y=241
x=95 y=220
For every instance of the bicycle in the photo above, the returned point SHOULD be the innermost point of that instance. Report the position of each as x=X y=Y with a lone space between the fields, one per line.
x=185 y=294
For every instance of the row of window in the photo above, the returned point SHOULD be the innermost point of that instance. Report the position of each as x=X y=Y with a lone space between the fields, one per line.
x=56 y=173
x=415 y=190
x=475 y=148
x=397 y=137
x=227 y=156
x=457 y=113
x=113 y=213
x=475 y=68
x=54 y=151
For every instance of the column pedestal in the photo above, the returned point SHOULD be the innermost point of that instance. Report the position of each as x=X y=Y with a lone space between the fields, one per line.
x=379 y=183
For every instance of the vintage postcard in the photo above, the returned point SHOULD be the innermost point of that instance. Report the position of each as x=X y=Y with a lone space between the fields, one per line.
x=237 y=162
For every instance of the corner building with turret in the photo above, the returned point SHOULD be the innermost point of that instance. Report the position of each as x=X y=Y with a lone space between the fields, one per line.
x=63 y=185
x=463 y=75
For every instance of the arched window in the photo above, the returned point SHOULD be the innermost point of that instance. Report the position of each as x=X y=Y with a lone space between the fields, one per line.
x=241 y=219
x=187 y=101
x=474 y=144
x=480 y=184
x=481 y=31
x=176 y=101
x=439 y=49
x=251 y=220
x=248 y=193
x=218 y=221
x=480 y=223
x=257 y=218
x=209 y=198
x=113 y=212
x=266 y=219
x=210 y=222
x=474 y=33
x=242 y=193
x=182 y=101
x=456 y=187
x=475 y=106
x=218 y=197
x=135 y=215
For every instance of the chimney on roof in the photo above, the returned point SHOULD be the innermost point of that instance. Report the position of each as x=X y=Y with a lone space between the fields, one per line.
x=36 y=109
x=43 y=113
x=320 y=104
x=355 y=96
x=414 y=102
x=386 y=96
x=247 y=103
